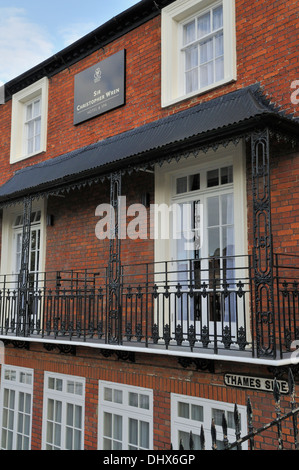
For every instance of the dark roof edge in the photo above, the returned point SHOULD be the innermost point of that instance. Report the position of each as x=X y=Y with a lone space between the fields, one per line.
x=118 y=26
x=277 y=124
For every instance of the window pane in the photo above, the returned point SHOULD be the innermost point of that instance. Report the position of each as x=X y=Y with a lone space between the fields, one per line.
x=68 y=438
x=107 y=394
x=189 y=33
x=58 y=411
x=107 y=444
x=218 y=17
x=133 y=399
x=228 y=243
x=197 y=413
x=194 y=182
x=219 y=69
x=191 y=58
x=230 y=420
x=181 y=185
x=78 y=416
x=213 y=211
x=212 y=178
x=217 y=415
x=227 y=175
x=144 y=402
x=28 y=404
x=59 y=385
x=30 y=129
x=144 y=434
x=57 y=435
x=70 y=414
x=214 y=241
x=206 y=74
x=77 y=439
x=51 y=410
x=206 y=51
x=227 y=203
x=117 y=432
x=29 y=112
x=219 y=48
x=191 y=82
x=133 y=431
x=36 y=108
x=183 y=410
x=108 y=424
x=203 y=26
x=184 y=438
x=118 y=396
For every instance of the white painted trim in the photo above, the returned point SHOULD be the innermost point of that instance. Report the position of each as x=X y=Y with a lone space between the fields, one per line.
x=224 y=156
x=171 y=70
x=19 y=100
x=187 y=425
x=125 y=410
x=9 y=214
x=66 y=398
x=18 y=387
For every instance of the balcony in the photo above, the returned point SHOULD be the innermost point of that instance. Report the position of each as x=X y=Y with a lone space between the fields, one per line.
x=198 y=308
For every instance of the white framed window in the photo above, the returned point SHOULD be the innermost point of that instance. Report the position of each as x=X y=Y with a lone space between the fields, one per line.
x=29 y=121
x=198 y=47
x=16 y=407
x=192 y=414
x=125 y=417
x=32 y=138
x=63 y=413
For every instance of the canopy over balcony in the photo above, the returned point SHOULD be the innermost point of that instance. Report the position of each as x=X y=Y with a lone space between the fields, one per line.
x=218 y=121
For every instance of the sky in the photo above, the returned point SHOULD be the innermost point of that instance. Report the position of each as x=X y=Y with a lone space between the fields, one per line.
x=34 y=30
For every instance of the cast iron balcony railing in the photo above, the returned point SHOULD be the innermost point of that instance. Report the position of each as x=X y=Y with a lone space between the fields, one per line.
x=196 y=305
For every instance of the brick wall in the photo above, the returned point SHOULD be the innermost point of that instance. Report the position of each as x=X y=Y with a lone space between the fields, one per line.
x=266 y=52
x=163 y=375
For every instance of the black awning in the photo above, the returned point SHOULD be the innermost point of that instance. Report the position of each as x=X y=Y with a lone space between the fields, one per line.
x=231 y=112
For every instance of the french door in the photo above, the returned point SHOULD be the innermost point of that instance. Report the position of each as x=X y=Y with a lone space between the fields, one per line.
x=34 y=281
x=204 y=249
x=34 y=248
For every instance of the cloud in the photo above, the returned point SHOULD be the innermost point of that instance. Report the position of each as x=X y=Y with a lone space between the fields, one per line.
x=23 y=44
x=75 y=31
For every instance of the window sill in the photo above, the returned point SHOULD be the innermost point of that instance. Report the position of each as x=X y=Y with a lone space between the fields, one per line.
x=170 y=102
x=20 y=159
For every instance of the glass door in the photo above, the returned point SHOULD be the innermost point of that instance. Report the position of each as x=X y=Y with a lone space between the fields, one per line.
x=219 y=262
x=204 y=249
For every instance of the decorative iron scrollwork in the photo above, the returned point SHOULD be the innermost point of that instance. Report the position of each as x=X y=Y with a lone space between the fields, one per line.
x=114 y=267
x=262 y=244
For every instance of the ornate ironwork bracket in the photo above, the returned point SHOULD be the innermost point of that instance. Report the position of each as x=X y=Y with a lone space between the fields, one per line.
x=17 y=344
x=62 y=348
x=23 y=320
x=114 y=267
x=121 y=355
x=262 y=245
x=200 y=364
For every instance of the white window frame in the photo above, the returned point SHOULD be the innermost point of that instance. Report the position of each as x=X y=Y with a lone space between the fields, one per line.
x=8 y=258
x=19 y=381
x=186 y=425
x=173 y=70
x=125 y=410
x=20 y=100
x=66 y=398
x=166 y=175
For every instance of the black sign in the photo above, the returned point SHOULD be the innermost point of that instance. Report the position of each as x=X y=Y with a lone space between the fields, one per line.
x=100 y=88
